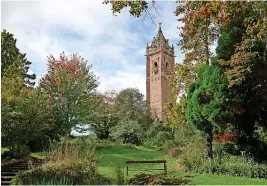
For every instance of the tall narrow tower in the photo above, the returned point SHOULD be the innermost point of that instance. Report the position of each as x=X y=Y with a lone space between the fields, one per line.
x=159 y=64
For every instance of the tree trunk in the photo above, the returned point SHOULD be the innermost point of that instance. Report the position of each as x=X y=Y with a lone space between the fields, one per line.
x=208 y=138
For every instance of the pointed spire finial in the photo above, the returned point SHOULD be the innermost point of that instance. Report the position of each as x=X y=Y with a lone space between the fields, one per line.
x=160 y=25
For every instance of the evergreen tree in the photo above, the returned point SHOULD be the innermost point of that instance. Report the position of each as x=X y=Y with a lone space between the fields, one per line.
x=205 y=102
x=10 y=54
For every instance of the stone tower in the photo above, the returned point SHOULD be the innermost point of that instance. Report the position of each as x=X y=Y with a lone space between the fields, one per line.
x=159 y=64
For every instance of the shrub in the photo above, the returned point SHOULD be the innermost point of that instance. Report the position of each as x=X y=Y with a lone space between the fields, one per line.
x=19 y=152
x=174 y=152
x=228 y=165
x=225 y=137
x=225 y=149
x=193 y=154
x=54 y=181
x=128 y=131
x=158 y=134
x=75 y=172
x=158 y=179
x=74 y=163
x=119 y=174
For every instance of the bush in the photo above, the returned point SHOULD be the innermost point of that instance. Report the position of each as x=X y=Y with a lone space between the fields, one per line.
x=174 y=152
x=73 y=172
x=119 y=174
x=158 y=134
x=222 y=149
x=158 y=179
x=228 y=165
x=54 y=181
x=193 y=154
x=128 y=131
x=72 y=163
x=192 y=159
x=18 y=153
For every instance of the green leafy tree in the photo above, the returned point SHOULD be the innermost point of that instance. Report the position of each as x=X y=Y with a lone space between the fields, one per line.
x=136 y=7
x=71 y=84
x=25 y=112
x=205 y=107
x=130 y=105
x=105 y=118
x=10 y=54
x=25 y=118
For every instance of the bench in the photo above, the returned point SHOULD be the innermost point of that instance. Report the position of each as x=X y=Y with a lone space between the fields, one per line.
x=143 y=162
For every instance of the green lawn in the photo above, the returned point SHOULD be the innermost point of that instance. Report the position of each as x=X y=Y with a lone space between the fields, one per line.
x=119 y=154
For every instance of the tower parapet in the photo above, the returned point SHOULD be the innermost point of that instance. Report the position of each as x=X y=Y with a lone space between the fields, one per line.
x=159 y=43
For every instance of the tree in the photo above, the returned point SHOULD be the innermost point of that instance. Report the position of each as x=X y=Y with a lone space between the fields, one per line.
x=136 y=7
x=10 y=54
x=25 y=118
x=244 y=38
x=71 y=84
x=130 y=105
x=105 y=118
x=179 y=80
x=205 y=102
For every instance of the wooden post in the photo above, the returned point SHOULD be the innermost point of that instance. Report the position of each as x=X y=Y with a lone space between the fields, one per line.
x=165 y=168
x=127 y=169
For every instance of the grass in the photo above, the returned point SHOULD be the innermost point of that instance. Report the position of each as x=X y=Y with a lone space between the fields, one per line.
x=4 y=150
x=38 y=155
x=5 y=159
x=119 y=154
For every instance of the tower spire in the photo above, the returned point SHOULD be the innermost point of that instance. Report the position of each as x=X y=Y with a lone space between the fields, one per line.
x=160 y=25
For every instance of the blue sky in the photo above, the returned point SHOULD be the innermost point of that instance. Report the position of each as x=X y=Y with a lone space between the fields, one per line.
x=114 y=45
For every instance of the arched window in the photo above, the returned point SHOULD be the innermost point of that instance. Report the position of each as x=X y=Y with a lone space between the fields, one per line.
x=167 y=66
x=155 y=67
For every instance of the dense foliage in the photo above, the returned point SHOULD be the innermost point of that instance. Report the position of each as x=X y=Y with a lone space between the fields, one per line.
x=128 y=131
x=75 y=165
x=160 y=179
x=10 y=55
x=105 y=117
x=70 y=82
x=205 y=109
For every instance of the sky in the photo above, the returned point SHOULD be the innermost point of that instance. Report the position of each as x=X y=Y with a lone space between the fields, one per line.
x=114 y=45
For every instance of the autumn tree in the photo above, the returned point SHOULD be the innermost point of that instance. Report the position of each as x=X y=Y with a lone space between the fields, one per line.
x=242 y=55
x=71 y=84
x=245 y=68
x=10 y=54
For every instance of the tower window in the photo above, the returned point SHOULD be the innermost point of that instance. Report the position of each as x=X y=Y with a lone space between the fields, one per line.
x=155 y=64
x=167 y=66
